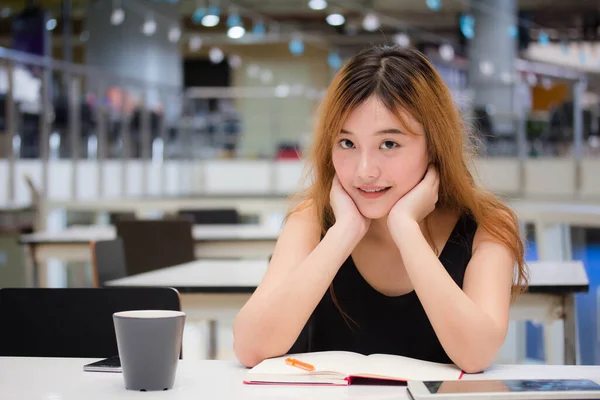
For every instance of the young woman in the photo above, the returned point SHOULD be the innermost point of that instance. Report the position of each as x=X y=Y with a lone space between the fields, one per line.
x=395 y=249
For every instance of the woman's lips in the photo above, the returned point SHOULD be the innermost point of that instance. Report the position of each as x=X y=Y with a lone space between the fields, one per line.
x=372 y=192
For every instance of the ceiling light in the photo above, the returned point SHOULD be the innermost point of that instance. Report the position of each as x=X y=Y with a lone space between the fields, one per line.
x=236 y=32
x=149 y=27
x=211 y=18
x=486 y=68
x=235 y=61
x=51 y=24
x=216 y=55
x=174 y=34
x=371 y=22
x=195 y=43
x=402 y=39
x=282 y=91
x=447 y=52
x=335 y=19
x=117 y=17
x=317 y=4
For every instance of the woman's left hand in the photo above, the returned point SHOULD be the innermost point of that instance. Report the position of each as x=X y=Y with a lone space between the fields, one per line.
x=419 y=202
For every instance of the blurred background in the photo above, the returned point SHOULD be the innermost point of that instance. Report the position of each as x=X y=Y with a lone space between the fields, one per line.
x=140 y=109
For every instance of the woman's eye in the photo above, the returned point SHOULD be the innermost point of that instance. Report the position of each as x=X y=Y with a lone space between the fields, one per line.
x=346 y=144
x=388 y=145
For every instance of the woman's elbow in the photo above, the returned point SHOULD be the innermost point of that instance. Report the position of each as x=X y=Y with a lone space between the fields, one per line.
x=242 y=346
x=250 y=353
x=481 y=355
x=246 y=357
x=476 y=362
x=474 y=366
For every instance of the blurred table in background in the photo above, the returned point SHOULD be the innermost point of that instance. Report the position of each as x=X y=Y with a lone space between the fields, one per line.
x=216 y=241
x=217 y=290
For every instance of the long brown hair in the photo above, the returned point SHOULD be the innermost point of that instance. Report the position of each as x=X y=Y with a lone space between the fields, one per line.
x=403 y=79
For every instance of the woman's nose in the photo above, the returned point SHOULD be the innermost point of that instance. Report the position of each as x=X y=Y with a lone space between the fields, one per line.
x=368 y=167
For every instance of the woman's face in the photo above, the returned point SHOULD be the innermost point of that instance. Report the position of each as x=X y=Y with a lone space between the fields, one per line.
x=376 y=160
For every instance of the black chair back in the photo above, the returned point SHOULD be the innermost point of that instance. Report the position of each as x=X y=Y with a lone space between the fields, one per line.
x=40 y=322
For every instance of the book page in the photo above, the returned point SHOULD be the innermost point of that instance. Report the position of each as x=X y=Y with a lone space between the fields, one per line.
x=408 y=368
x=339 y=362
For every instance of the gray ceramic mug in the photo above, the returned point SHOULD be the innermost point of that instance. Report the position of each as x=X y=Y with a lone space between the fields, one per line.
x=149 y=343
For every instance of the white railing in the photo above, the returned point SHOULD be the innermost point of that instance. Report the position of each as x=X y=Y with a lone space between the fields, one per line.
x=142 y=159
x=546 y=179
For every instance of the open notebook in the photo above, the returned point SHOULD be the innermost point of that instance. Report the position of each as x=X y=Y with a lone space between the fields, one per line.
x=342 y=368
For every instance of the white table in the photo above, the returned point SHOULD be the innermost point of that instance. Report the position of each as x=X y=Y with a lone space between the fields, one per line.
x=556 y=212
x=550 y=218
x=64 y=379
x=552 y=222
x=212 y=241
x=217 y=289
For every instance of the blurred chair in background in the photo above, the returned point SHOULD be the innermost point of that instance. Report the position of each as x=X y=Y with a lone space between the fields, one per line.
x=36 y=209
x=113 y=217
x=108 y=260
x=154 y=244
x=222 y=216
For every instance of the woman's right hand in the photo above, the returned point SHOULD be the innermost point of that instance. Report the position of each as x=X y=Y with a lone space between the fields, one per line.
x=345 y=211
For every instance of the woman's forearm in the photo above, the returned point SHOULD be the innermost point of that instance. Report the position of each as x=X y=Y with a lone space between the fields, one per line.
x=270 y=322
x=470 y=337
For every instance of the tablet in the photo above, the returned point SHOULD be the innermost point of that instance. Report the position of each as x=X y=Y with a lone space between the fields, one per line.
x=111 y=364
x=530 y=389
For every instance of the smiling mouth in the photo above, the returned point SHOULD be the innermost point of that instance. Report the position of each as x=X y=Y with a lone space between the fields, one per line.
x=373 y=193
x=374 y=190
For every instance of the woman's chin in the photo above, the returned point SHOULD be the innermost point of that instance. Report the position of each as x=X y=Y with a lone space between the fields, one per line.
x=374 y=212
x=377 y=208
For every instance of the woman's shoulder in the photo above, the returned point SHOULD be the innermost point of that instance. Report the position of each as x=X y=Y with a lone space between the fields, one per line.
x=300 y=233
x=303 y=219
x=305 y=211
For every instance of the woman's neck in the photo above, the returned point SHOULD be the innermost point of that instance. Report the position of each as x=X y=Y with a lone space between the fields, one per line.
x=379 y=231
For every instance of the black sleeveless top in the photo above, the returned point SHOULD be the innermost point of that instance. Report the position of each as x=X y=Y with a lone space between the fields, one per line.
x=383 y=324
